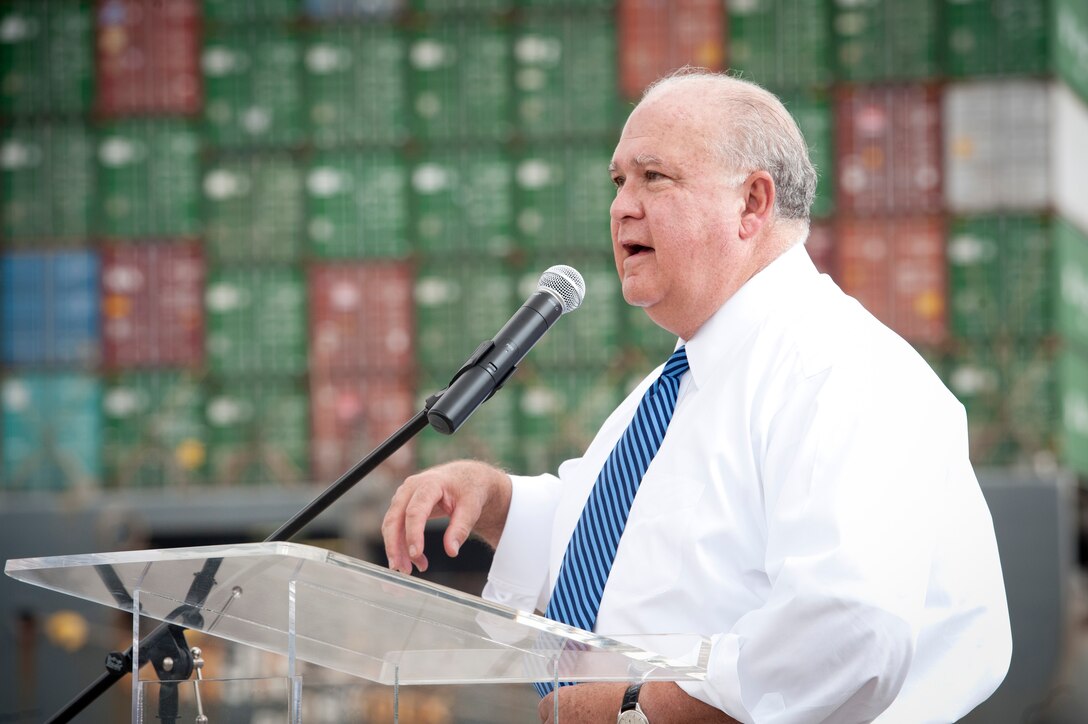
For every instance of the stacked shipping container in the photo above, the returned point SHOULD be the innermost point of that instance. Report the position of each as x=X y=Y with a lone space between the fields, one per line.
x=243 y=240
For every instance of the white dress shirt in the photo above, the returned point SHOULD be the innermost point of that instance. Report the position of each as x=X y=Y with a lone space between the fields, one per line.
x=812 y=509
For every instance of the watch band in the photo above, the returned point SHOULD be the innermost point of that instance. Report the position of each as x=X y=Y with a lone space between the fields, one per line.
x=630 y=697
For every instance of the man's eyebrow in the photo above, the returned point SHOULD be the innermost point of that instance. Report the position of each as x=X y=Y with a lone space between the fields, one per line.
x=642 y=160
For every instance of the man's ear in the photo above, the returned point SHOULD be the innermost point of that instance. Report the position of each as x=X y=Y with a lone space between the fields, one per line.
x=759 y=196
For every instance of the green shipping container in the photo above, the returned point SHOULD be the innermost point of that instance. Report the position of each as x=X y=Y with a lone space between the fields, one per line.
x=148 y=179
x=245 y=11
x=1071 y=267
x=814 y=117
x=463 y=200
x=781 y=44
x=1073 y=369
x=155 y=434
x=256 y=321
x=51 y=432
x=996 y=37
x=357 y=205
x=879 y=40
x=459 y=6
x=1000 y=277
x=565 y=75
x=46 y=57
x=47 y=182
x=459 y=304
x=489 y=434
x=559 y=413
x=258 y=433
x=1070 y=45
x=588 y=337
x=254 y=208
x=355 y=80
x=253 y=87
x=459 y=75
x=1010 y=392
x=563 y=195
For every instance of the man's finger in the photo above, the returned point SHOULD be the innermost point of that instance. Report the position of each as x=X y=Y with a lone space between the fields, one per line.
x=417 y=512
x=462 y=520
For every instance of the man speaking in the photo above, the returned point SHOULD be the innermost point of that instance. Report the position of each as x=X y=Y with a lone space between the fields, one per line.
x=792 y=482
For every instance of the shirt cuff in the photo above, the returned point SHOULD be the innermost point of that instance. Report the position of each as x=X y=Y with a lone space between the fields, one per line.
x=519 y=569
x=721 y=689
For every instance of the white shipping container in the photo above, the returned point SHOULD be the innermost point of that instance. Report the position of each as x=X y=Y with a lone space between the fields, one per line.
x=1015 y=145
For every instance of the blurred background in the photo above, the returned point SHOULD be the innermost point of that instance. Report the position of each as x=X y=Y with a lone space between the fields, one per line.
x=242 y=240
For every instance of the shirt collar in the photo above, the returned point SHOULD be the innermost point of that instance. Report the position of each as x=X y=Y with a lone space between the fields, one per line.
x=726 y=331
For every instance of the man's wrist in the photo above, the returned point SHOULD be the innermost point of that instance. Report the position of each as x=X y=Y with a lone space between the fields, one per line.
x=630 y=711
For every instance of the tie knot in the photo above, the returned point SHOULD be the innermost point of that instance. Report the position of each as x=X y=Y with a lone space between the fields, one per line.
x=677 y=364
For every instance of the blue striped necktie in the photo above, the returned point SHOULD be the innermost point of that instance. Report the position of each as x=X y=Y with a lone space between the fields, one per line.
x=592 y=547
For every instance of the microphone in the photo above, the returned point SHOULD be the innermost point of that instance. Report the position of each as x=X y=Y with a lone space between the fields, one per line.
x=560 y=290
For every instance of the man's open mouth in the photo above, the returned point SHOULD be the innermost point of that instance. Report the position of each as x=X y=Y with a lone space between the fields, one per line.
x=633 y=249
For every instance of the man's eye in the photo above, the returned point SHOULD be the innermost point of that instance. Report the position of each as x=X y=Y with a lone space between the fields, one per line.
x=617 y=181
x=654 y=175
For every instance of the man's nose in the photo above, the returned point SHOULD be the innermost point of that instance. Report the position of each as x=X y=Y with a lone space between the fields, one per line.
x=626 y=204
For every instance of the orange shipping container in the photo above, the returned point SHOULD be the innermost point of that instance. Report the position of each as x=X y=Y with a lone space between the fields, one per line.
x=361 y=317
x=658 y=36
x=896 y=269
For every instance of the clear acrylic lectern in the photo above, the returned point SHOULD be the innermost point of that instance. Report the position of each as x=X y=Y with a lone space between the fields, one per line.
x=330 y=610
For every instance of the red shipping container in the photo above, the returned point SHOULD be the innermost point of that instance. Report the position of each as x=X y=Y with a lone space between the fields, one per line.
x=896 y=269
x=821 y=248
x=352 y=415
x=361 y=317
x=888 y=148
x=658 y=36
x=152 y=305
x=147 y=57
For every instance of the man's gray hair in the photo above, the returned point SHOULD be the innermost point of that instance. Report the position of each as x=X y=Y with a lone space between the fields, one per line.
x=759 y=134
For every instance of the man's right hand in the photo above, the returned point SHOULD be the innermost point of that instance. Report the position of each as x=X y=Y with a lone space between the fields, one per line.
x=474 y=495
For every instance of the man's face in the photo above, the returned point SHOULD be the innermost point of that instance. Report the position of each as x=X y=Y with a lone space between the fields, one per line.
x=676 y=215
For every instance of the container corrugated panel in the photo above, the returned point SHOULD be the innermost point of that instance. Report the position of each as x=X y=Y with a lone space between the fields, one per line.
x=361 y=317
x=781 y=44
x=565 y=74
x=155 y=434
x=148 y=179
x=246 y=11
x=256 y=321
x=47 y=180
x=656 y=36
x=564 y=4
x=896 y=269
x=1071 y=311
x=888 y=150
x=813 y=113
x=1070 y=43
x=1073 y=390
x=46 y=57
x=822 y=248
x=258 y=432
x=253 y=83
x=153 y=305
x=997 y=145
x=489 y=434
x=463 y=200
x=563 y=197
x=561 y=411
x=52 y=432
x=357 y=205
x=1069 y=154
x=254 y=208
x=588 y=337
x=886 y=40
x=356 y=85
x=352 y=415
x=996 y=37
x=148 y=57
x=459 y=76
x=321 y=10
x=459 y=6
x=1000 y=278
x=49 y=304
x=1010 y=393
x=459 y=304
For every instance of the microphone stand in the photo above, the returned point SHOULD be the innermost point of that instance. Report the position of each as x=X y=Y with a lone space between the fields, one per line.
x=165 y=647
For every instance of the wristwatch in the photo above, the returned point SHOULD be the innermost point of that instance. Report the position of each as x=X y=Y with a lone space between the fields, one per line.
x=630 y=711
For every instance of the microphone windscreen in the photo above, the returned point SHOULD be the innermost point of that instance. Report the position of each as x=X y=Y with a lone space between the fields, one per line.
x=565 y=284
